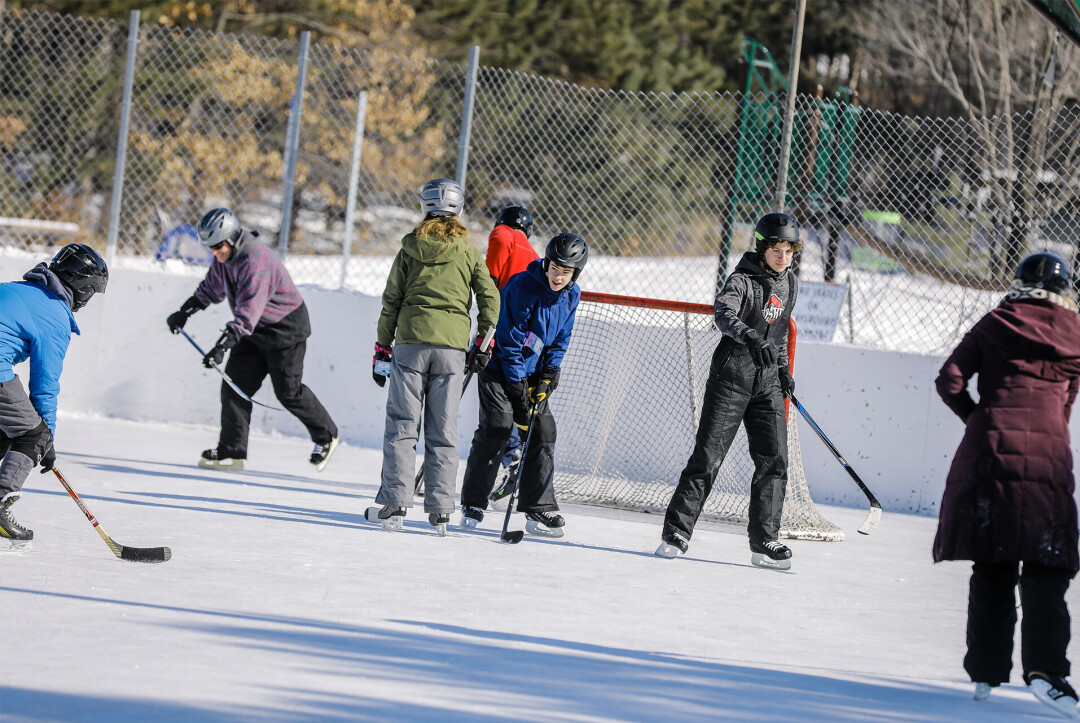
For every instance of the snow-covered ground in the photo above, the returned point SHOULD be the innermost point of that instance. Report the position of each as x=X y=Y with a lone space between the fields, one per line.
x=280 y=603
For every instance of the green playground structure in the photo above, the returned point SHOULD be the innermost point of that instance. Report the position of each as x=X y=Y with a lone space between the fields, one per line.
x=823 y=138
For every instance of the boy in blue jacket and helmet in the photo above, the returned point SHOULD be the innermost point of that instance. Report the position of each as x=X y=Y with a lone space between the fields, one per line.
x=535 y=321
x=36 y=323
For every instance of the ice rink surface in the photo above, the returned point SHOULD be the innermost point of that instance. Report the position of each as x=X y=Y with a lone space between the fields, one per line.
x=280 y=603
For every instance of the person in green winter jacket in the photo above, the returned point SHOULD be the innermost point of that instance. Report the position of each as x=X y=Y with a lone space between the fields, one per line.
x=424 y=331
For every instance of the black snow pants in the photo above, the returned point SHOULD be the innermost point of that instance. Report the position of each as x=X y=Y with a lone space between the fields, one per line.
x=251 y=360
x=1044 y=630
x=736 y=392
x=536 y=492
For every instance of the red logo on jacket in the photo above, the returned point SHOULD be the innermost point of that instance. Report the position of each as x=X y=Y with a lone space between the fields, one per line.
x=772 y=310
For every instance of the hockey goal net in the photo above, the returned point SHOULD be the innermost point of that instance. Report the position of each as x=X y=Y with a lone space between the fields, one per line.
x=628 y=404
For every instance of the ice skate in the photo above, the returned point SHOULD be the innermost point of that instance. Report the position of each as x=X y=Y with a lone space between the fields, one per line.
x=1054 y=692
x=321 y=454
x=544 y=524
x=391 y=517
x=439 y=520
x=672 y=544
x=471 y=517
x=211 y=460
x=771 y=554
x=18 y=536
x=499 y=496
x=982 y=691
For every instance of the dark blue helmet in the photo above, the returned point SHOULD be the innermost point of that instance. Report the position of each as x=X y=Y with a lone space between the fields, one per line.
x=1045 y=271
x=516 y=217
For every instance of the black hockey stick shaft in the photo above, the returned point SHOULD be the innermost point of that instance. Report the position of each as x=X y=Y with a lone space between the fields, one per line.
x=132 y=554
x=872 y=519
x=514 y=536
x=226 y=377
x=418 y=482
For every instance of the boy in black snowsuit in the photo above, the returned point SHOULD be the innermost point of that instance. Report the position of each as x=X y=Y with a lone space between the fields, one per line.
x=748 y=381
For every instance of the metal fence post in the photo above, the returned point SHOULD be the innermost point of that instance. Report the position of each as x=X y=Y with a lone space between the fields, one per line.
x=789 y=112
x=466 y=117
x=292 y=144
x=121 y=142
x=354 y=181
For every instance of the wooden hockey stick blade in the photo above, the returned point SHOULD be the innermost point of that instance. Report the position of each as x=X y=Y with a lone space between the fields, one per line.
x=131 y=554
x=512 y=537
x=228 y=380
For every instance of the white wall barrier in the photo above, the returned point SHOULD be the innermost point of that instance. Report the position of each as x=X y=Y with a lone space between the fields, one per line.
x=879 y=408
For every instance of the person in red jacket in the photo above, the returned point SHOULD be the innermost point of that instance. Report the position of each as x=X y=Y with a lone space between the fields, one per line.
x=508 y=253
x=509 y=250
x=1008 y=502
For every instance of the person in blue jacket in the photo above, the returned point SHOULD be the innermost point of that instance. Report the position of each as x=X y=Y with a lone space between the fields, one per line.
x=36 y=323
x=535 y=321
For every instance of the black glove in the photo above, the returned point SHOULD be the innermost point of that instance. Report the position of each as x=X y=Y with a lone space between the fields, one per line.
x=787 y=384
x=177 y=319
x=762 y=352
x=478 y=358
x=226 y=341
x=545 y=385
x=518 y=394
x=48 y=459
x=382 y=353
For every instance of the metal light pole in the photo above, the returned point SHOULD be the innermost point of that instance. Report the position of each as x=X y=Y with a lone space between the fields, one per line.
x=789 y=113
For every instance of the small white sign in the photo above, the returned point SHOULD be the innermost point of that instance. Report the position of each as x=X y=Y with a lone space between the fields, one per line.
x=817 y=310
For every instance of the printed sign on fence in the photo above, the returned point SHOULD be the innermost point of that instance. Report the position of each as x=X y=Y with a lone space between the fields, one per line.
x=817 y=310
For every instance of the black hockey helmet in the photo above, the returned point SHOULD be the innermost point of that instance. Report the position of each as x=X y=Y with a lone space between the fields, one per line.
x=516 y=217
x=82 y=270
x=1045 y=270
x=568 y=250
x=773 y=228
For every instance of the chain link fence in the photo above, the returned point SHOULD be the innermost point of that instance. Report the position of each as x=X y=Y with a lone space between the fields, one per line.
x=921 y=219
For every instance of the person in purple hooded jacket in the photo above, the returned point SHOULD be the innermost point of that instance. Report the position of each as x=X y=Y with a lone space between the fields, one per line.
x=1008 y=503
x=267 y=336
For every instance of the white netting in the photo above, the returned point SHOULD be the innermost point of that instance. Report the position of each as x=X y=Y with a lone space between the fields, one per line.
x=628 y=405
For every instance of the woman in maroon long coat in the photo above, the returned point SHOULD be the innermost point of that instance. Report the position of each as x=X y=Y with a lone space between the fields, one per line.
x=1008 y=504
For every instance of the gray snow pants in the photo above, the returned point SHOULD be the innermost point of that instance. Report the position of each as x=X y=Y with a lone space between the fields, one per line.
x=424 y=379
x=19 y=441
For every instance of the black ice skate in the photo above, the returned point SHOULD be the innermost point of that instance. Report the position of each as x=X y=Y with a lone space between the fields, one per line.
x=321 y=454
x=391 y=517
x=771 y=554
x=1054 y=692
x=545 y=524
x=10 y=529
x=439 y=520
x=506 y=485
x=212 y=460
x=471 y=517
x=672 y=545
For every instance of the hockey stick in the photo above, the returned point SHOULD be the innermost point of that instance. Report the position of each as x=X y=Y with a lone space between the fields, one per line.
x=874 y=517
x=131 y=554
x=514 y=537
x=226 y=377
x=418 y=483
